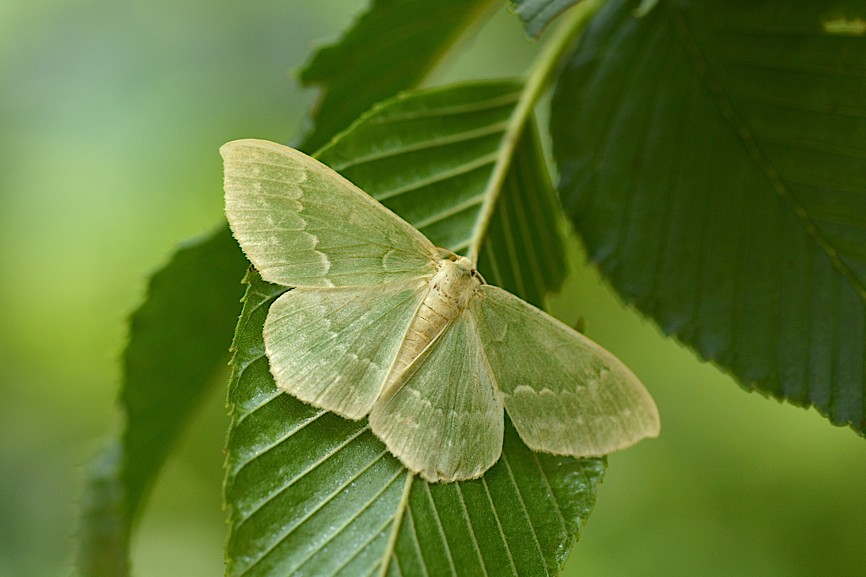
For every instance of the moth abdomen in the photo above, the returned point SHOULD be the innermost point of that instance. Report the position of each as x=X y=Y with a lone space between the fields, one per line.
x=449 y=291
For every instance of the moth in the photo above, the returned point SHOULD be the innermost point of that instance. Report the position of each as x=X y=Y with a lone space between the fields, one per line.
x=382 y=323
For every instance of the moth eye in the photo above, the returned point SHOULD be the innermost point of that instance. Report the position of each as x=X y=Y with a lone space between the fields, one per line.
x=473 y=272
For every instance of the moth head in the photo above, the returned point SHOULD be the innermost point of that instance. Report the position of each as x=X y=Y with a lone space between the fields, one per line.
x=462 y=265
x=456 y=281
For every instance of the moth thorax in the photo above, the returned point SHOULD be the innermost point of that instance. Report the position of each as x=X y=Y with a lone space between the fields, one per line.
x=455 y=282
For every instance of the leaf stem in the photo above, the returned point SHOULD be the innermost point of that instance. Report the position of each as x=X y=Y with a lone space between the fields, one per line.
x=536 y=82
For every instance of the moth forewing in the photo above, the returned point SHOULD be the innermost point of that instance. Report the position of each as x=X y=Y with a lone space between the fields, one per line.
x=302 y=224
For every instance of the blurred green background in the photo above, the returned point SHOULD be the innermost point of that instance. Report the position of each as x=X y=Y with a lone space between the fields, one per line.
x=111 y=114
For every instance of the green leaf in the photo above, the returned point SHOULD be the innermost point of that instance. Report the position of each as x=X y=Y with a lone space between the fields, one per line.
x=713 y=158
x=178 y=338
x=391 y=47
x=310 y=493
x=169 y=337
x=537 y=14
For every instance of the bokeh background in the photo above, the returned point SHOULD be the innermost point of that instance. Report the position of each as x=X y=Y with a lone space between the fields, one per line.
x=111 y=113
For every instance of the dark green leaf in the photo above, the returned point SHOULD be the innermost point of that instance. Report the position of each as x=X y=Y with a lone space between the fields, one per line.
x=311 y=493
x=391 y=47
x=713 y=157
x=537 y=14
x=178 y=338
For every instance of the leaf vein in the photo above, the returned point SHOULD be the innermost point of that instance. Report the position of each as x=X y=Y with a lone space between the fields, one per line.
x=441 y=531
x=402 y=507
x=437 y=177
x=260 y=451
x=523 y=509
x=416 y=543
x=465 y=514
x=499 y=528
x=455 y=209
x=281 y=538
x=321 y=460
x=451 y=139
x=549 y=489
x=354 y=517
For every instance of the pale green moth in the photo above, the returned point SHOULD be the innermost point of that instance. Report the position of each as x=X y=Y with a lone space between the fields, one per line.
x=380 y=322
